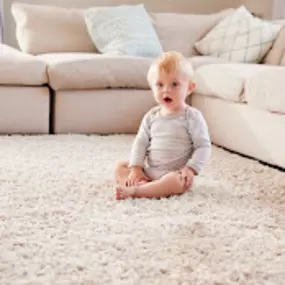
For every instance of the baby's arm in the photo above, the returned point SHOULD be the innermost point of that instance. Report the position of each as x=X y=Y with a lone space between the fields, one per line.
x=141 y=143
x=198 y=130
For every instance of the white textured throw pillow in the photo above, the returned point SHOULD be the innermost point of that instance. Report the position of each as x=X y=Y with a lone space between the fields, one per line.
x=240 y=37
x=123 y=30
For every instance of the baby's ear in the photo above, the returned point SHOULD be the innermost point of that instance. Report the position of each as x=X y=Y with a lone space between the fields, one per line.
x=192 y=86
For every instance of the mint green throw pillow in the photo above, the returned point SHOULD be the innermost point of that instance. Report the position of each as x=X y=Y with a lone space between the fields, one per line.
x=122 y=30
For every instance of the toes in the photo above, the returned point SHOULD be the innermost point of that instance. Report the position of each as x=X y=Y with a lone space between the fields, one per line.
x=119 y=193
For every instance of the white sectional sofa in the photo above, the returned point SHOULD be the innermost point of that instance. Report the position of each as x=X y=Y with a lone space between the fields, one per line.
x=97 y=93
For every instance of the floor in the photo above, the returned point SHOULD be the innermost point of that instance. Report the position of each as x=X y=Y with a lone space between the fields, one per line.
x=60 y=222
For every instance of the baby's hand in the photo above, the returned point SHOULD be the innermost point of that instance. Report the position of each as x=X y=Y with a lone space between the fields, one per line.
x=136 y=176
x=187 y=176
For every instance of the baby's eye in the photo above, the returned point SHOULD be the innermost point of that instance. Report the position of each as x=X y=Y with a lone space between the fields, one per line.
x=159 y=84
x=174 y=84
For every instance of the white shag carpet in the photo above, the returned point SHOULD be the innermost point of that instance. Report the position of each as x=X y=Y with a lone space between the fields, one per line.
x=60 y=222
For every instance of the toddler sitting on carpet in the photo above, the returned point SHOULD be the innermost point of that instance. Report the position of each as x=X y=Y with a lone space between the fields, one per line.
x=172 y=144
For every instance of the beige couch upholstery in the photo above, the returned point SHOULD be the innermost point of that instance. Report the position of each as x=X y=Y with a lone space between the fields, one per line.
x=94 y=93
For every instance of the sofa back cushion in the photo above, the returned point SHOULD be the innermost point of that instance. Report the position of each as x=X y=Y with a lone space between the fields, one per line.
x=180 y=31
x=274 y=56
x=44 y=29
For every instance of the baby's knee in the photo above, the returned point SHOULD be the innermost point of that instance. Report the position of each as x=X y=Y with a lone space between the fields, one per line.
x=120 y=169
x=121 y=164
x=173 y=180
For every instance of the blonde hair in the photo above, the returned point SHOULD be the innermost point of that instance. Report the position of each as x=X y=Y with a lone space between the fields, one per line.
x=171 y=61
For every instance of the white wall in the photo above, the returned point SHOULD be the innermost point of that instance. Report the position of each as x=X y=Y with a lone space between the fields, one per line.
x=279 y=9
x=1 y=21
x=261 y=8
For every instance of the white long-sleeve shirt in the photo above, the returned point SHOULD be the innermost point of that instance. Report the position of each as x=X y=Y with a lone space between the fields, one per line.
x=168 y=143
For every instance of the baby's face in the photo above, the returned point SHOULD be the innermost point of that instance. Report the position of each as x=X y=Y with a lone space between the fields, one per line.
x=171 y=89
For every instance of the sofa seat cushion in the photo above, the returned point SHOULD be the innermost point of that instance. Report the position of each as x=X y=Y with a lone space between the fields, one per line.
x=18 y=68
x=265 y=90
x=225 y=80
x=96 y=71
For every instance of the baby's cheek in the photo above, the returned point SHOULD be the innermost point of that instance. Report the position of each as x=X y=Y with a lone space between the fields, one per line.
x=156 y=98
x=157 y=95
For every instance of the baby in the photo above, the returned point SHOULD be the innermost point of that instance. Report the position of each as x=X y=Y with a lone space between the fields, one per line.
x=172 y=144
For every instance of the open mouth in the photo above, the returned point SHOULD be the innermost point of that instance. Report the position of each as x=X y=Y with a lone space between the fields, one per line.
x=167 y=100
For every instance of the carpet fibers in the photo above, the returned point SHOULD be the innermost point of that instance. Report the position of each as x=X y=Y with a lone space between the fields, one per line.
x=60 y=222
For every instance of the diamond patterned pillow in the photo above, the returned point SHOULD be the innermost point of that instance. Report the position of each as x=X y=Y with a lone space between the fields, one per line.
x=240 y=37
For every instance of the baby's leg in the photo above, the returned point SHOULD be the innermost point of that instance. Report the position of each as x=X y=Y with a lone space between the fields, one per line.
x=121 y=172
x=169 y=184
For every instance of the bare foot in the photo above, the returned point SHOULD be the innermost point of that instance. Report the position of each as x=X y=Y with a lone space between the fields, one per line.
x=124 y=192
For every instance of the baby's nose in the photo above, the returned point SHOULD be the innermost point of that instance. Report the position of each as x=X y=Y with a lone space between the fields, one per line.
x=166 y=89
